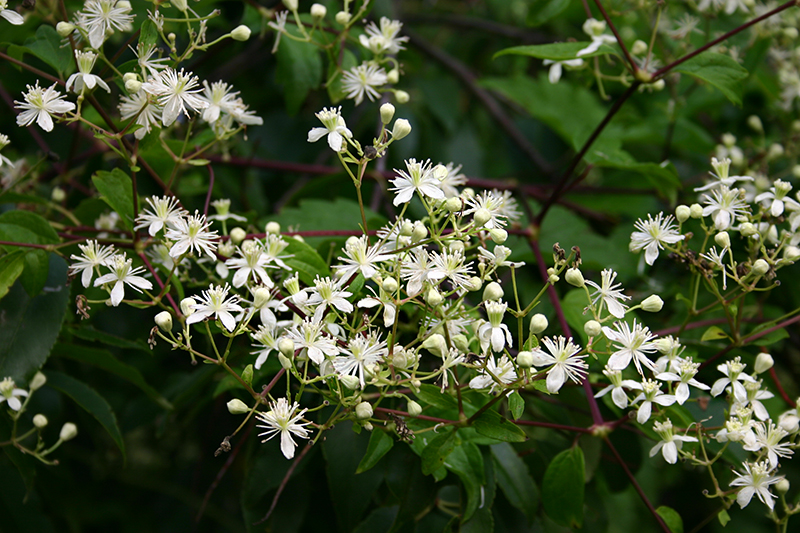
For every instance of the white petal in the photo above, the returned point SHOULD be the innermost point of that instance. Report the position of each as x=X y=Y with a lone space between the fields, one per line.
x=12 y=16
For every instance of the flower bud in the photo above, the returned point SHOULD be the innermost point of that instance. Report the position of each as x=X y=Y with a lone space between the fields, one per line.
x=58 y=195
x=481 y=217
x=286 y=363
x=433 y=297
x=130 y=76
x=538 y=323
x=401 y=128
x=493 y=291
x=37 y=382
x=273 y=227
x=435 y=344
x=748 y=230
x=187 y=306
x=723 y=239
x=364 y=410
x=574 y=277
x=261 y=296
x=40 y=421
x=498 y=235
x=760 y=267
x=456 y=246
x=461 y=342
x=291 y=5
x=237 y=407
x=789 y=422
x=402 y=97
x=350 y=382
x=389 y=285
x=318 y=11
x=419 y=232
x=247 y=374
x=286 y=347
x=791 y=33
x=64 y=29
x=237 y=235
x=240 y=33
x=453 y=204
x=592 y=328
x=782 y=486
x=414 y=409
x=639 y=47
x=652 y=304
x=407 y=228
x=387 y=113
x=473 y=284
x=775 y=150
x=342 y=17
x=164 y=321
x=755 y=123
x=764 y=362
x=682 y=213
x=553 y=279
x=696 y=210
x=525 y=359
x=68 y=432
x=791 y=253
x=133 y=86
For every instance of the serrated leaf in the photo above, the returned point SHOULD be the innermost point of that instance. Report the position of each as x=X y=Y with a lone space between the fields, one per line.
x=379 y=445
x=116 y=189
x=46 y=45
x=305 y=261
x=514 y=479
x=90 y=400
x=492 y=424
x=34 y=276
x=105 y=360
x=516 y=404
x=437 y=450
x=556 y=51
x=712 y=334
x=671 y=518
x=299 y=70
x=718 y=70
x=563 y=488
x=466 y=462
x=31 y=325
x=11 y=266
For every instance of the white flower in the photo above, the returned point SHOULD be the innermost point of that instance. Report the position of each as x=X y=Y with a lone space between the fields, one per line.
x=502 y=372
x=11 y=394
x=150 y=67
x=279 y=26
x=164 y=212
x=594 y=29
x=3 y=144
x=252 y=262
x=335 y=128
x=754 y=397
x=450 y=265
x=494 y=332
x=215 y=301
x=734 y=375
x=563 y=362
x=653 y=235
x=415 y=271
x=555 y=67
x=618 y=395
x=281 y=418
x=362 y=80
x=389 y=308
x=493 y=203
x=365 y=351
x=175 y=91
x=273 y=246
x=609 y=293
x=122 y=274
x=385 y=39
x=722 y=168
x=454 y=178
x=93 y=257
x=755 y=480
x=450 y=360
x=630 y=344
x=669 y=444
x=84 y=76
x=688 y=369
x=651 y=392
x=768 y=437
x=715 y=259
x=219 y=97
x=776 y=198
x=499 y=256
x=39 y=105
x=724 y=205
x=223 y=209
x=308 y=335
x=360 y=258
x=325 y=293
x=419 y=178
x=138 y=105
x=12 y=16
x=100 y=17
x=191 y=234
x=267 y=339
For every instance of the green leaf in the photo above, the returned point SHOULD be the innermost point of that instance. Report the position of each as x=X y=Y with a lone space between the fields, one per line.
x=34 y=277
x=90 y=401
x=379 y=445
x=481 y=522
x=31 y=325
x=11 y=266
x=713 y=333
x=563 y=488
x=26 y=227
x=662 y=176
x=46 y=45
x=516 y=404
x=466 y=462
x=105 y=360
x=148 y=36
x=88 y=333
x=723 y=517
x=492 y=424
x=556 y=51
x=544 y=10
x=305 y=261
x=435 y=453
x=718 y=70
x=772 y=337
x=116 y=189
x=514 y=479
x=671 y=518
x=299 y=70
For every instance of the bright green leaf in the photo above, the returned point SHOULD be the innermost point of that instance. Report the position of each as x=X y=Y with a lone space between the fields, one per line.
x=46 y=45
x=299 y=70
x=555 y=51
x=116 y=189
x=492 y=424
x=713 y=333
x=671 y=518
x=514 y=479
x=379 y=445
x=563 y=488
x=516 y=404
x=718 y=70
x=723 y=517
x=436 y=452
x=26 y=227
x=11 y=266
x=148 y=36
x=90 y=401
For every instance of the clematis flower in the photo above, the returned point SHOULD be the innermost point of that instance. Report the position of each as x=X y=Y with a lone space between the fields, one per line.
x=335 y=128
x=561 y=356
x=122 y=274
x=40 y=105
x=755 y=481
x=281 y=419
x=11 y=394
x=215 y=302
x=669 y=444
x=653 y=234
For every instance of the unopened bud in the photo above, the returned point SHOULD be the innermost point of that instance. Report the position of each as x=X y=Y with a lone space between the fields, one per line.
x=473 y=284
x=461 y=342
x=696 y=211
x=419 y=232
x=574 y=277
x=553 y=279
x=164 y=321
x=538 y=323
x=286 y=363
x=764 y=362
x=390 y=285
x=240 y=33
x=791 y=253
x=493 y=291
x=238 y=235
x=64 y=29
x=58 y=195
x=40 y=421
x=187 y=306
x=350 y=382
x=639 y=47
x=435 y=344
x=782 y=486
x=401 y=128
x=748 y=229
x=682 y=213
x=261 y=296
x=433 y=297
x=273 y=228
x=291 y=5
x=592 y=328
x=414 y=409
x=133 y=86
x=402 y=97
x=387 y=113
x=775 y=150
x=723 y=239
x=37 y=382
x=237 y=407
x=760 y=267
x=453 y=204
x=525 y=359
x=652 y=304
x=130 y=76
x=364 y=410
x=318 y=11
x=286 y=347
x=342 y=17
x=790 y=423
x=68 y=432
x=755 y=123
x=393 y=76
x=498 y=235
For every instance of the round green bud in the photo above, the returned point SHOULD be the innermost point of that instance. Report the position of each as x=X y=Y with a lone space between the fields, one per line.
x=164 y=321
x=592 y=328
x=133 y=86
x=342 y=17
x=682 y=213
x=364 y=410
x=237 y=407
x=461 y=342
x=493 y=291
x=473 y=284
x=574 y=277
x=240 y=33
x=456 y=246
x=498 y=235
x=350 y=382
x=723 y=239
x=696 y=210
x=37 y=382
x=68 y=432
x=748 y=229
x=318 y=11
x=389 y=285
x=286 y=347
x=433 y=297
x=525 y=359
x=291 y=5
x=58 y=195
x=453 y=204
x=387 y=113
x=286 y=363
x=435 y=344
x=791 y=253
x=273 y=227
x=755 y=123
x=401 y=128
x=538 y=323
x=402 y=97
x=481 y=217
x=64 y=29
x=775 y=150
x=652 y=304
x=187 y=306
x=238 y=235
x=639 y=47
x=782 y=486
x=760 y=267
x=393 y=76
x=764 y=362
x=419 y=232
x=40 y=421
x=414 y=409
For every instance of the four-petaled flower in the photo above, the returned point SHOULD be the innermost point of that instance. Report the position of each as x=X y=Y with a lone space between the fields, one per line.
x=335 y=128
x=653 y=234
x=564 y=362
x=756 y=480
x=11 y=394
x=215 y=301
x=670 y=444
x=39 y=106
x=122 y=274
x=281 y=418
